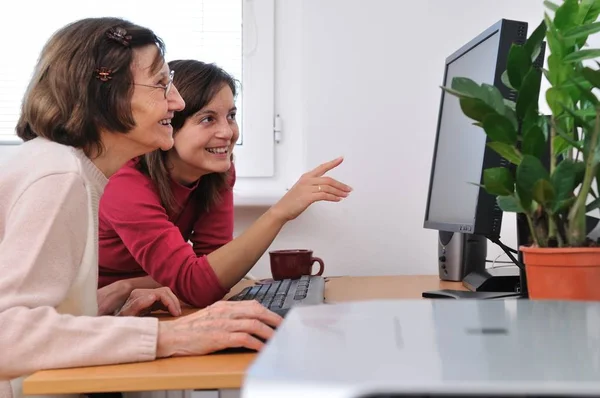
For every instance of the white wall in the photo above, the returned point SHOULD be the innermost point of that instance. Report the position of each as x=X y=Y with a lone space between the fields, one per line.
x=361 y=79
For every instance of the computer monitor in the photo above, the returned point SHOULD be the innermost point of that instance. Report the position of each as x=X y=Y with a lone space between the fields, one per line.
x=456 y=204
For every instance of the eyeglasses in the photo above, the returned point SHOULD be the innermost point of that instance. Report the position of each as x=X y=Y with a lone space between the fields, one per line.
x=166 y=87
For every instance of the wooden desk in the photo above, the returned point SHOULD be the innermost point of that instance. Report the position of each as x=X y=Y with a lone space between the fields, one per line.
x=218 y=371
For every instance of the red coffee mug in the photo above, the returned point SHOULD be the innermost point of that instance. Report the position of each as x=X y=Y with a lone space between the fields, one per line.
x=294 y=263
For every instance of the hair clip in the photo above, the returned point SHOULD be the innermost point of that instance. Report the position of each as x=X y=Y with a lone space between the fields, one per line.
x=119 y=35
x=103 y=74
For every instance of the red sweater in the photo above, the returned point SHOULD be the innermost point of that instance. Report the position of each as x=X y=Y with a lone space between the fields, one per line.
x=138 y=237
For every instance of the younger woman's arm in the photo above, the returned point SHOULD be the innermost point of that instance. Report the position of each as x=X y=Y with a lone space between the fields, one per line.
x=132 y=208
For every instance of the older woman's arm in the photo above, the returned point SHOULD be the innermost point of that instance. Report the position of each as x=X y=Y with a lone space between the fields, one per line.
x=40 y=255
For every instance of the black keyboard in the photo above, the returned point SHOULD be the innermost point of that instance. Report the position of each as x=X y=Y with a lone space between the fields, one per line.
x=281 y=296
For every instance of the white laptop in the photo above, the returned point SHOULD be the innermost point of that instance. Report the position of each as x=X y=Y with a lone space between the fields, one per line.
x=397 y=348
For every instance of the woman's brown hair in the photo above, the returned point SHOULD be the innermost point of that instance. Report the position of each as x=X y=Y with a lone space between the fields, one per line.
x=198 y=83
x=82 y=83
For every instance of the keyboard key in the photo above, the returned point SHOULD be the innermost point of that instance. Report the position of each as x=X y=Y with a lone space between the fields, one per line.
x=275 y=295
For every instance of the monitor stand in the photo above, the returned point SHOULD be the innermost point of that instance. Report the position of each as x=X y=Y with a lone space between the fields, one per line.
x=484 y=284
x=466 y=294
x=501 y=279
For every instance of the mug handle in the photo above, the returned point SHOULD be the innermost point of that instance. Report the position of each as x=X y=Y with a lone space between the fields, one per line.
x=321 y=265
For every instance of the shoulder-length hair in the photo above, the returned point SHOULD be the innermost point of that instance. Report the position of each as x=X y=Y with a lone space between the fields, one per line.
x=198 y=83
x=69 y=100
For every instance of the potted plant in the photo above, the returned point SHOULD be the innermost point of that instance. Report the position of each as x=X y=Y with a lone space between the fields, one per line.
x=561 y=262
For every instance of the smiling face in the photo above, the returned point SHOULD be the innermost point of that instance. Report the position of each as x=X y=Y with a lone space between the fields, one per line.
x=204 y=143
x=151 y=111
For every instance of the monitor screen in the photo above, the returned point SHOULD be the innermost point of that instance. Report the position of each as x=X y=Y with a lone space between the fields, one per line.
x=459 y=155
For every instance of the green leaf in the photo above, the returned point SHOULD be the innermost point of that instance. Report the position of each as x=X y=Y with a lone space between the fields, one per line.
x=592 y=76
x=588 y=11
x=509 y=204
x=510 y=104
x=475 y=108
x=575 y=82
x=579 y=172
x=511 y=115
x=582 y=55
x=589 y=113
x=508 y=152
x=558 y=72
x=551 y=6
x=498 y=181
x=531 y=118
x=466 y=86
x=563 y=205
x=534 y=43
x=534 y=142
x=499 y=128
x=518 y=65
x=529 y=172
x=555 y=67
x=564 y=140
x=582 y=31
x=545 y=123
x=492 y=96
x=529 y=92
x=543 y=193
x=584 y=88
x=555 y=98
x=458 y=94
x=560 y=145
x=583 y=117
x=525 y=198
x=505 y=80
x=564 y=179
x=565 y=16
x=589 y=102
x=556 y=46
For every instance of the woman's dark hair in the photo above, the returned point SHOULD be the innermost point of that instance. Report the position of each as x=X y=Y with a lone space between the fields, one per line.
x=198 y=83
x=82 y=83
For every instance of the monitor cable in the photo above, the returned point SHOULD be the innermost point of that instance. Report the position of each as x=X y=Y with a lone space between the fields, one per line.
x=508 y=252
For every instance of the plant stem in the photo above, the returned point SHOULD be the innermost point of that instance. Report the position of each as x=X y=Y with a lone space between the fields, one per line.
x=532 y=230
x=552 y=136
x=552 y=229
x=562 y=234
x=551 y=223
x=576 y=235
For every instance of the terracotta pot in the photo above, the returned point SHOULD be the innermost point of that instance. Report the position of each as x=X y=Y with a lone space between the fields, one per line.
x=562 y=273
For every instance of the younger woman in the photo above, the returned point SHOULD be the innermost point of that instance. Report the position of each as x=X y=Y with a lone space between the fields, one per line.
x=156 y=204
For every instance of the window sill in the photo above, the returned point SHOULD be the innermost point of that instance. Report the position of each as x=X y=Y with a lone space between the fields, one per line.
x=256 y=199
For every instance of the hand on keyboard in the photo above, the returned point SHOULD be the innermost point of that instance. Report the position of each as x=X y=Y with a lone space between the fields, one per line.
x=280 y=296
x=222 y=325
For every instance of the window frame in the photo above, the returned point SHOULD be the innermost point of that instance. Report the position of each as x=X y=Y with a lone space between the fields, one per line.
x=255 y=156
